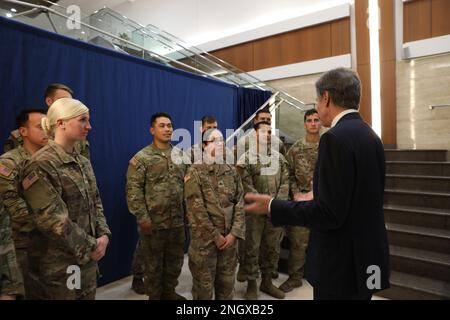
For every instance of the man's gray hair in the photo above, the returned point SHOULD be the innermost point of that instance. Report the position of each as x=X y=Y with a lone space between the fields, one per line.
x=343 y=86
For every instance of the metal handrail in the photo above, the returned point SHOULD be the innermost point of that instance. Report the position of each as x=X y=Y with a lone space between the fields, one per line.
x=46 y=9
x=265 y=104
x=431 y=107
x=203 y=55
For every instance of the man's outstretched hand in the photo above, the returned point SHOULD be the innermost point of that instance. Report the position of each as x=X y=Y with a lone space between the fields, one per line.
x=258 y=203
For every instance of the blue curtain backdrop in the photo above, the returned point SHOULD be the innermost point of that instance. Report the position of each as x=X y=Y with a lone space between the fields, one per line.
x=249 y=100
x=121 y=92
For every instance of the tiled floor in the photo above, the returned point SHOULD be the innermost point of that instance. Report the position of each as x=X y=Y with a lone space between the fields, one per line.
x=121 y=289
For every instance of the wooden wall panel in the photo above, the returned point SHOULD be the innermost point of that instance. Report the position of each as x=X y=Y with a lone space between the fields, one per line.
x=266 y=53
x=417 y=20
x=311 y=43
x=388 y=103
x=362 y=32
x=316 y=42
x=440 y=20
x=363 y=58
x=365 y=106
x=291 y=47
x=387 y=30
x=340 y=37
x=240 y=56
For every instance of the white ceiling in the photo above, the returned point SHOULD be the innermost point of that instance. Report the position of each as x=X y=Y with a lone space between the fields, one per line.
x=201 y=21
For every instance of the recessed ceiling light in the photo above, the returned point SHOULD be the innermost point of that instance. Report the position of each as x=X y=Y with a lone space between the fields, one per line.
x=9 y=15
x=13 y=10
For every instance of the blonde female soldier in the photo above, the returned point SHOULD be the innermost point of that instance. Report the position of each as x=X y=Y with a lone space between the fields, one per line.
x=71 y=233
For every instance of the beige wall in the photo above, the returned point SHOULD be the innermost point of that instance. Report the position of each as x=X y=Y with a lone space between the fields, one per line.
x=289 y=119
x=421 y=82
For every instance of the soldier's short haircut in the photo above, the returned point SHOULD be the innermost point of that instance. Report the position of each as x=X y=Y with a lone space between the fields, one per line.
x=261 y=111
x=24 y=115
x=308 y=113
x=208 y=119
x=257 y=125
x=343 y=87
x=52 y=87
x=157 y=115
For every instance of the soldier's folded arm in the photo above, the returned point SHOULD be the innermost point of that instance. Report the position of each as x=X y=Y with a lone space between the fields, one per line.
x=196 y=209
x=136 y=190
x=51 y=216
x=9 y=190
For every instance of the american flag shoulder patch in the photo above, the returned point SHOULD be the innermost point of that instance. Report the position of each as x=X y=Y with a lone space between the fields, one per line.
x=29 y=180
x=5 y=171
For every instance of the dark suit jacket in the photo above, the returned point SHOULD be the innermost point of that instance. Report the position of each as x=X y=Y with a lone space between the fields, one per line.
x=346 y=218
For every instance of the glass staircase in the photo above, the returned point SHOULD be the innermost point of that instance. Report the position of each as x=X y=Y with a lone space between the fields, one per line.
x=110 y=29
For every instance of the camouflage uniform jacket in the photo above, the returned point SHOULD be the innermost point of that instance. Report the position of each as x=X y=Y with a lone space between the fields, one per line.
x=15 y=139
x=12 y=165
x=275 y=184
x=62 y=192
x=11 y=281
x=155 y=187
x=214 y=201
x=302 y=158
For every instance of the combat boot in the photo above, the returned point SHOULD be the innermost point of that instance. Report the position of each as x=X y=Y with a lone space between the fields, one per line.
x=252 y=290
x=290 y=284
x=138 y=285
x=268 y=287
x=241 y=276
x=172 y=296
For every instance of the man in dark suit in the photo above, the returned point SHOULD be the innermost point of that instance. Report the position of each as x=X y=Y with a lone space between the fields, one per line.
x=348 y=255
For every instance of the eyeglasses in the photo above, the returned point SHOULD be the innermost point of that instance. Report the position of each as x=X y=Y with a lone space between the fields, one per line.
x=216 y=141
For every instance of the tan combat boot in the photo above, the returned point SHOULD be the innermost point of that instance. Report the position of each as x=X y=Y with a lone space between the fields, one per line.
x=268 y=287
x=138 y=285
x=252 y=290
x=241 y=276
x=290 y=284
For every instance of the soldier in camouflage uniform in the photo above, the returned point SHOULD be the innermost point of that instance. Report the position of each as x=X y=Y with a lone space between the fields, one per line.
x=53 y=92
x=155 y=197
x=196 y=150
x=11 y=282
x=302 y=158
x=244 y=144
x=214 y=202
x=262 y=239
x=61 y=190
x=12 y=165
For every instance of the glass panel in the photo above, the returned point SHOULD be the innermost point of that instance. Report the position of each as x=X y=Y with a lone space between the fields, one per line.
x=119 y=33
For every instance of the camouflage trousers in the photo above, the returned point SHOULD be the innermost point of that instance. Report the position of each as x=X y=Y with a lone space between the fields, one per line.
x=213 y=270
x=52 y=283
x=298 y=238
x=138 y=264
x=262 y=246
x=22 y=262
x=163 y=255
